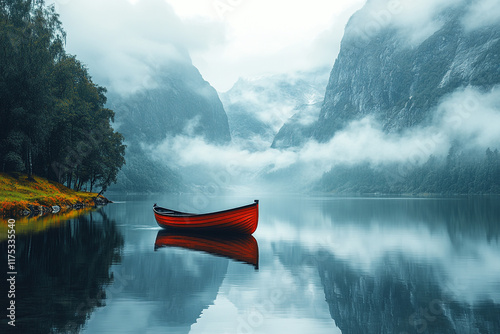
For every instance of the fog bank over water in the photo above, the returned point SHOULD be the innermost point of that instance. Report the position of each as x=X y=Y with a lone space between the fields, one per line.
x=468 y=117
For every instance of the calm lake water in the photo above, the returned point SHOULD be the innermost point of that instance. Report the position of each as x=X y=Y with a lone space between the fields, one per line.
x=325 y=265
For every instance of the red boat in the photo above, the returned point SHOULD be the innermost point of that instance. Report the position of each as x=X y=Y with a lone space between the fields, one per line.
x=242 y=220
x=239 y=247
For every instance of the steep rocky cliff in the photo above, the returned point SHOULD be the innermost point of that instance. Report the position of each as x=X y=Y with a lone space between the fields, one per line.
x=385 y=71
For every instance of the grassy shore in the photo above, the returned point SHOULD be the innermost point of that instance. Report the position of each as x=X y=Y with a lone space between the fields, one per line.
x=20 y=195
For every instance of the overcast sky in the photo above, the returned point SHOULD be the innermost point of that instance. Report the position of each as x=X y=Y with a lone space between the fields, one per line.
x=122 y=41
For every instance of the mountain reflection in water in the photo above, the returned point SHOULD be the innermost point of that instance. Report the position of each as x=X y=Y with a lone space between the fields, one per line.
x=325 y=265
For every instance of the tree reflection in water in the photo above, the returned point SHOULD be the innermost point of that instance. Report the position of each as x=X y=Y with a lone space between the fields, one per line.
x=63 y=272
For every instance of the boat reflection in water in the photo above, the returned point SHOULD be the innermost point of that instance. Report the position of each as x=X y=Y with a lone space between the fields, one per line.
x=243 y=248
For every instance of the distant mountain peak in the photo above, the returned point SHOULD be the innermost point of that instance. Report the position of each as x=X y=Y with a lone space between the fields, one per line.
x=259 y=106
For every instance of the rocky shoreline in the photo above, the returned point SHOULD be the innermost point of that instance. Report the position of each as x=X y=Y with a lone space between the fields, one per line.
x=40 y=210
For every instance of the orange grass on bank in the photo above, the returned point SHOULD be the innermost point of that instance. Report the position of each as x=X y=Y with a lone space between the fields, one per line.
x=17 y=193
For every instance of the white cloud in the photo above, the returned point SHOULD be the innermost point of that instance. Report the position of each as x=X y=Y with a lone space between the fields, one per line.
x=468 y=116
x=362 y=141
x=121 y=40
x=482 y=13
x=472 y=117
x=415 y=20
x=125 y=42
x=265 y=37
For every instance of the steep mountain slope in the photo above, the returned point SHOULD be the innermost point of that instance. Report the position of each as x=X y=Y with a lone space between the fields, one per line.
x=401 y=83
x=180 y=103
x=384 y=71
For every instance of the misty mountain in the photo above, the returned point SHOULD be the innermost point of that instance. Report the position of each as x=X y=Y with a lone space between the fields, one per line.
x=398 y=73
x=176 y=101
x=298 y=128
x=257 y=108
x=409 y=84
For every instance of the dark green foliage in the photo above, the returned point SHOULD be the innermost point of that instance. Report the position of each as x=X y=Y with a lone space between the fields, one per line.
x=52 y=117
x=459 y=173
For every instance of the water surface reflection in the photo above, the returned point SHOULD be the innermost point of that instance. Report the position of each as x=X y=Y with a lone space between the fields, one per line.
x=401 y=265
x=326 y=265
x=62 y=273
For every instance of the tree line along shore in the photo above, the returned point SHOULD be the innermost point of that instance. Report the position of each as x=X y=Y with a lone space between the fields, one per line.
x=22 y=195
x=53 y=119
